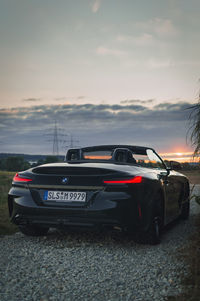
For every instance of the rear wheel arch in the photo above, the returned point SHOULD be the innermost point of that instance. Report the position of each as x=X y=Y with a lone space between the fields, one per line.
x=158 y=201
x=151 y=233
x=160 y=197
x=155 y=198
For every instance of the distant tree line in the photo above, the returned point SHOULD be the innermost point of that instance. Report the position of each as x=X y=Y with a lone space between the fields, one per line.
x=185 y=165
x=188 y=166
x=18 y=163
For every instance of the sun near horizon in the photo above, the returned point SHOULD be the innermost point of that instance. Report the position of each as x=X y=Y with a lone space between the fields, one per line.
x=182 y=157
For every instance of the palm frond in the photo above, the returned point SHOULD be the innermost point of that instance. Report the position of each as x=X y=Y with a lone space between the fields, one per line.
x=195 y=127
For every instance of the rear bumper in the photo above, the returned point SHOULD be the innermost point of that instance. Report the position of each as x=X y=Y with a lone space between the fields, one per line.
x=109 y=209
x=69 y=221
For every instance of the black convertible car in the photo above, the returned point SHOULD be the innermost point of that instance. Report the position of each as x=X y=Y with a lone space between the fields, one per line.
x=116 y=186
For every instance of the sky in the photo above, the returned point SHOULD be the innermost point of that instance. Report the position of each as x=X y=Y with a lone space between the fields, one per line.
x=108 y=71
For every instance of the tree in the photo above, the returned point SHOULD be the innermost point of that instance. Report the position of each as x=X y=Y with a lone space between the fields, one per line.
x=16 y=164
x=48 y=159
x=3 y=164
x=51 y=159
x=195 y=135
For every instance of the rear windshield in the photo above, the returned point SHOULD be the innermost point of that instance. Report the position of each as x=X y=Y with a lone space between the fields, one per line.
x=98 y=155
x=146 y=158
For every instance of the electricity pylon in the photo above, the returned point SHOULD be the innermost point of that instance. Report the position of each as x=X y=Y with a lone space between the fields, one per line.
x=72 y=142
x=56 y=139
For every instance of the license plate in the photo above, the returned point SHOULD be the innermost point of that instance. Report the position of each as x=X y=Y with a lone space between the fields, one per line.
x=65 y=196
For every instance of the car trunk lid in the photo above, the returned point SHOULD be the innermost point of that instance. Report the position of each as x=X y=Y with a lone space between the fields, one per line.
x=69 y=186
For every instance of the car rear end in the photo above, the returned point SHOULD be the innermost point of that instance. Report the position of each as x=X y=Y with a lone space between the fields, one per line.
x=77 y=195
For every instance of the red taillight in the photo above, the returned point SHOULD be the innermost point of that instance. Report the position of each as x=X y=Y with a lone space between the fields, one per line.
x=18 y=178
x=134 y=180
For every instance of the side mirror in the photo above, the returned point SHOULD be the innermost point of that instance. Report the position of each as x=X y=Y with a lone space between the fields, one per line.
x=175 y=165
x=168 y=170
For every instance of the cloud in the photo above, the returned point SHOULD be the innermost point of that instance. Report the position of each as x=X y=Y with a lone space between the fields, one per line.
x=129 y=101
x=163 y=27
x=31 y=99
x=99 y=113
x=159 y=27
x=95 y=6
x=104 y=51
x=80 y=97
x=179 y=106
x=144 y=39
x=71 y=98
x=156 y=63
x=60 y=98
x=161 y=126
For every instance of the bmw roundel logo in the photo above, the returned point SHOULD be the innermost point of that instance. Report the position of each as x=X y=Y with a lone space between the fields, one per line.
x=64 y=180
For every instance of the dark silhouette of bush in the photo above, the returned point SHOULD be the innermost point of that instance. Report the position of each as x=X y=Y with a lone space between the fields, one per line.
x=14 y=164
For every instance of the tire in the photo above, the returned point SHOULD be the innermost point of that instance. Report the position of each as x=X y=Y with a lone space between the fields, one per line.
x=33 y=230
x=152 y=235
x=185 y=211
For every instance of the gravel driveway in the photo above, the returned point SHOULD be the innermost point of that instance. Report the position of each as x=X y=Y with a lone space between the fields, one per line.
x=92 y=266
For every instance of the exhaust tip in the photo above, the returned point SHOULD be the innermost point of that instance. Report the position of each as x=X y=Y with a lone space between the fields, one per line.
x=19 y=220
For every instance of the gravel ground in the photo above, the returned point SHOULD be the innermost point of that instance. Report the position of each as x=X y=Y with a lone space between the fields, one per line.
x=92 y=266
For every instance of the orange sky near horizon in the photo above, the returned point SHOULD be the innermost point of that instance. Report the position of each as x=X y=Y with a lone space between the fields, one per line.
x=180 y=157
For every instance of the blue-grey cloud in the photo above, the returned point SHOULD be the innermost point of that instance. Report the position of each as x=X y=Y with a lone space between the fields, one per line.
x=131 y=101
x=22 y=129
x=31 y=99
x=81 y=97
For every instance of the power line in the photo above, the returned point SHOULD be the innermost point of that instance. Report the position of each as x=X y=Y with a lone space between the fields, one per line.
x=72 y=142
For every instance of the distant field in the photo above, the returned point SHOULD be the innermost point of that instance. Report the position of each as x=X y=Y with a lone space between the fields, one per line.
x=5 y=183
x=193 y=176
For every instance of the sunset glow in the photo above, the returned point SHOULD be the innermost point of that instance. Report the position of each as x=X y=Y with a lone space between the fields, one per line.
x=180 y=157
x=179 y=154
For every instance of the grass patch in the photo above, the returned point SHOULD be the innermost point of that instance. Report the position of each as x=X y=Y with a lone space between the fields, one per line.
x=193 y=175
x=5 y=183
